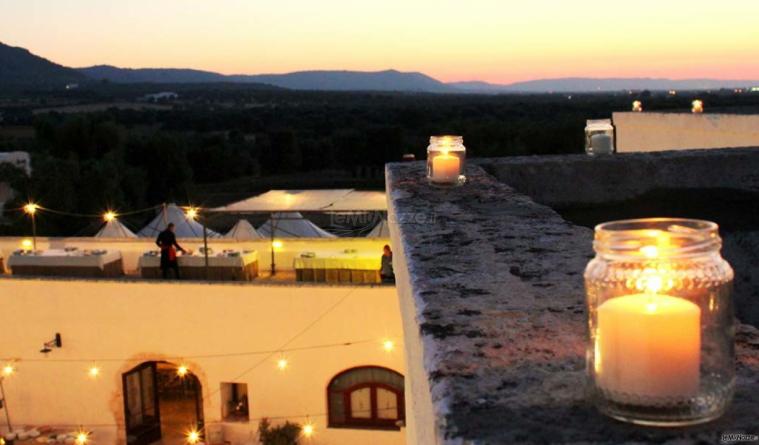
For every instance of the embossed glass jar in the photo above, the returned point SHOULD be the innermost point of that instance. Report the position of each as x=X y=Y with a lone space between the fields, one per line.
x=661 y=343
x=446 y=156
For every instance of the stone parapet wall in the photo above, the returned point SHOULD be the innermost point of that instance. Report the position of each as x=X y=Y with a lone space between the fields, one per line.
x=493 y=308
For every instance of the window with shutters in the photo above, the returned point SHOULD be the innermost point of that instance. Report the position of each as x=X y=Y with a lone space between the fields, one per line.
x=369 y=397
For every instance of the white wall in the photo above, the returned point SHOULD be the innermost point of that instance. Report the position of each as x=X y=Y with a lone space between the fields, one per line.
x=682 y=131
x=132 y=248
x=133 y=322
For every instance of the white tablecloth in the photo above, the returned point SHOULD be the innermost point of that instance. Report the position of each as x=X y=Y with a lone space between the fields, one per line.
x=340 y=260
x=197 y=260
x=61 y=258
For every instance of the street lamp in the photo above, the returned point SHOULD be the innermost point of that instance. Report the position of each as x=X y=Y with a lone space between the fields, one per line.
x=8 y=371
x=31 y=210
x=192 y=214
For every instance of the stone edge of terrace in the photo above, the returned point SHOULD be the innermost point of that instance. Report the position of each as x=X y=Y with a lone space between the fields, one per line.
x=492 y=300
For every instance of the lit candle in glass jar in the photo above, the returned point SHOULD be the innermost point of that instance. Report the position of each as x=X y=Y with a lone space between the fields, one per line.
x=660 y=315
x=649 y=345
x=445 y=160
x=445 y=168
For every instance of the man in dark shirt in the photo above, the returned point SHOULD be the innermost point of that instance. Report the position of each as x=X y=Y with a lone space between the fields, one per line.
x=167 y=241
x=386 y=270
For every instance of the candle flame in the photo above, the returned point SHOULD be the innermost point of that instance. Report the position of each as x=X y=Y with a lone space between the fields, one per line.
x=650 y=251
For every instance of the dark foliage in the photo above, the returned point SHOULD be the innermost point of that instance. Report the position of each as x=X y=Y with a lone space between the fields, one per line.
x=220 y=138
x=285 y=434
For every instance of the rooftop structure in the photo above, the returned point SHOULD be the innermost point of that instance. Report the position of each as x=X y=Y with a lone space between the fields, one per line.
x=651 y=131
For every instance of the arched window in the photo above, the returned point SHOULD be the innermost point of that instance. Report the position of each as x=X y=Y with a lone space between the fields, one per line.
x=366 y=397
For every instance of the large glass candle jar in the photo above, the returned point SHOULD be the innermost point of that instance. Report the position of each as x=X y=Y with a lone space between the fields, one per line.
x=661 y=343
x=446 y=156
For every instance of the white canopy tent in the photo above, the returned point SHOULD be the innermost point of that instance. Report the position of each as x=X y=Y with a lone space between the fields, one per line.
x=381 y=230
x=243 y=231
x=114 y=229
x=183 y=226
x=339 y=200
x=292 y=225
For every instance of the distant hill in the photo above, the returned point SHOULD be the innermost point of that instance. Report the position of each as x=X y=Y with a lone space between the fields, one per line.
x=150 y=75
x=20 y=68
x=583 y=84
x=389 y=80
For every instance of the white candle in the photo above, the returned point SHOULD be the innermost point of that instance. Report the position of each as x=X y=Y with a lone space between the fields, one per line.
x=446 y=168
x=601 y=143
x=648 y=345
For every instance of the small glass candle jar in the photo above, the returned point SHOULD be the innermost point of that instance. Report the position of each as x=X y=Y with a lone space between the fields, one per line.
x=446 y=156
x=599 y=137
x=661 y=344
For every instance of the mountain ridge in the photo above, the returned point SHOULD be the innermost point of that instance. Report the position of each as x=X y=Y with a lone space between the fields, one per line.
x=20 y=67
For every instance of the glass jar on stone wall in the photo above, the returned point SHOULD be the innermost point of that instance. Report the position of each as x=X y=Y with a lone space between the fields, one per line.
x=661 y=344
x=599 y=137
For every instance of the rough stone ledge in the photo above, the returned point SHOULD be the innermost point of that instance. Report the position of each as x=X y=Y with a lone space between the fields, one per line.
x=577 y=180
x=495 y=305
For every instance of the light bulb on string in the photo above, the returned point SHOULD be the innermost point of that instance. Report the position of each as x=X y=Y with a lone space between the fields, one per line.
x=193 y=436
x=388 y=345
x=31 y=208
x=109 y=216
x=282 y=363
x=308 y=429
x=182 y=371
x=82 y=437
x=93 y=372
x=8 y=370
x=191 y=213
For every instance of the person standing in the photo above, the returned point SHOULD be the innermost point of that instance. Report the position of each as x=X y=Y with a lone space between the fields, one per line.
x=167 y=241
x=386 y=271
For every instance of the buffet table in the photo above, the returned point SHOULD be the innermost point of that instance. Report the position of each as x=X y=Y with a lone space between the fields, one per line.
x=225 y=266
x=67 y=263
x=338 y=267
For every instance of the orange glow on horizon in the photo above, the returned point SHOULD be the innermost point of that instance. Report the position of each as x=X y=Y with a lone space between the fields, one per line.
x=488 y=40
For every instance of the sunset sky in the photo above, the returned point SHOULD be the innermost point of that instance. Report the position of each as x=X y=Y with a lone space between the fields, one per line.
x=492 y=40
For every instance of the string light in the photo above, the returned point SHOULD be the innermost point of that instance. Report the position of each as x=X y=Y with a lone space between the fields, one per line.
x=31 y=208
x=82 y=437
x=93 y=372
x=193 y=436
x=109 y=216
x=8 y=370
x=282 y=364
x=308 y=429
x=182 y=370
x=276 y=244
x=191 y=213
x=388 y=345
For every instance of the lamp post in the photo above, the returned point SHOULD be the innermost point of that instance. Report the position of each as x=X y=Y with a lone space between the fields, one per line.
x=192 y=214
x=31 y=210
x=7 y=372
x=271 y=244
